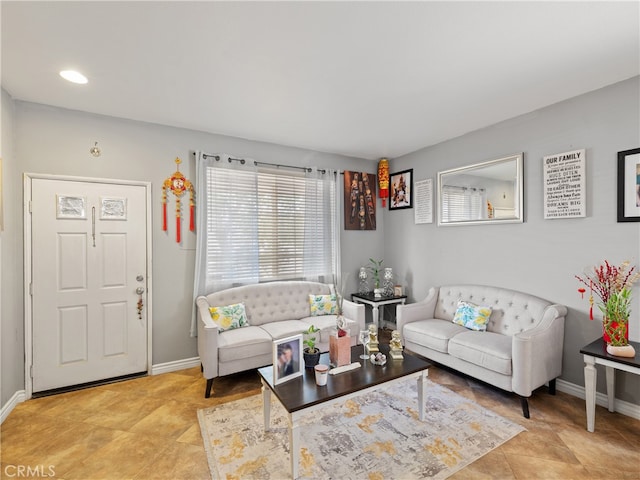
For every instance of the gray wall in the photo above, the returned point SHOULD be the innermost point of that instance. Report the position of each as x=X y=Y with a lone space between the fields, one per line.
x=11 y=319
x=56 y=141
x=539 y=256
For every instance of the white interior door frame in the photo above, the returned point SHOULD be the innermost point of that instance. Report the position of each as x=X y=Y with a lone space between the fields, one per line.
x=28 y=304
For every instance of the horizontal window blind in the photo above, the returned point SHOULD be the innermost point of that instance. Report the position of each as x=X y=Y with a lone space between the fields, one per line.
x=265 y=226
x=462 y=203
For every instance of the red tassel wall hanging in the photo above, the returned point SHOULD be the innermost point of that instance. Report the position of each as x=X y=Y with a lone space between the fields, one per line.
x=178 y=184
x=383 y=180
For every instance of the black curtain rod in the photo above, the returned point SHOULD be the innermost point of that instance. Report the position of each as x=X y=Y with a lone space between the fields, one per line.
x=277 y=165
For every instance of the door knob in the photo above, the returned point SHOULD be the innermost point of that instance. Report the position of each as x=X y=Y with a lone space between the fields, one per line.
x=140 y=290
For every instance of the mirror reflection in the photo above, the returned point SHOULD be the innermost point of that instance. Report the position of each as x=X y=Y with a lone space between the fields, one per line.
x=488 y=192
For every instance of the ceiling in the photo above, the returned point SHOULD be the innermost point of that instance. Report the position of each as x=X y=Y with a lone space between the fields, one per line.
x=365 y=79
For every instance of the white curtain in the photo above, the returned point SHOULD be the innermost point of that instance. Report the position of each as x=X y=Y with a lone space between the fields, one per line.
x=262 y=224
x=321 y=226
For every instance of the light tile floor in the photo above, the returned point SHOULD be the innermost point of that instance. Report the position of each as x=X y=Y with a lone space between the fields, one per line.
x=147 y=428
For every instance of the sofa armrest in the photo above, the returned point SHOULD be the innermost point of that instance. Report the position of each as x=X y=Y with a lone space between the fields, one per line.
x=207 y=340
x=537 y=352
x=354 y=311
x=421 y=310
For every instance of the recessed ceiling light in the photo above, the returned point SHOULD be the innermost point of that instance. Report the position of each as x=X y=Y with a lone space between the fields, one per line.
x=73 y=76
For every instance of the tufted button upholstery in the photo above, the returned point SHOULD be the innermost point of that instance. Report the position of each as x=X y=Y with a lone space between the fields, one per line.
x=266 y=303
x=512 y=311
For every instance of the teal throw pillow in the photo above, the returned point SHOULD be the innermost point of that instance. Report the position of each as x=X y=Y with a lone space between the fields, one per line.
x=472 y=316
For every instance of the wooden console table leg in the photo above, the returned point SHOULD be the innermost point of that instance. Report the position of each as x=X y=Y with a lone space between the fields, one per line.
x=374 y=316
x=590 y=377
x=611 y=387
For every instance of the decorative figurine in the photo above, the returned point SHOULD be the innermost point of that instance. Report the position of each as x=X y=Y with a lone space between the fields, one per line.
x=387 y=285
x=363 y=285
x=395 y=345
x=372 y=346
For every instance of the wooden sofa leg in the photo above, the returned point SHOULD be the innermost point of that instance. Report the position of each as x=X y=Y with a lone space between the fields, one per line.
x=552 y=387
x=207 y=390
x=525 y=406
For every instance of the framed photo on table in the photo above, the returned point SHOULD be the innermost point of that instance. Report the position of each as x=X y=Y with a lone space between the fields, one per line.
x=401 y=190
x=629 y=185
x=287 y=359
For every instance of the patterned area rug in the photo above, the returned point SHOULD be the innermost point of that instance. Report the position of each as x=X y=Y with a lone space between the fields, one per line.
x=372 y=436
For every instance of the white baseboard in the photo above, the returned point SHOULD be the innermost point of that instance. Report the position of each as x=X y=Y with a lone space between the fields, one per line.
x=18 y=397
x=625 y=408
x=175 y=366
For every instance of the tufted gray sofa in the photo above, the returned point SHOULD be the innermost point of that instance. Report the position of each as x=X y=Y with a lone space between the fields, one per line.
x=274 y=310
x=520 y=351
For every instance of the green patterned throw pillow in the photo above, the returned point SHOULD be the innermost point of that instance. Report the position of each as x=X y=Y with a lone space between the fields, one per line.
x=323 y=305
x=229 y=316
x=472 y=316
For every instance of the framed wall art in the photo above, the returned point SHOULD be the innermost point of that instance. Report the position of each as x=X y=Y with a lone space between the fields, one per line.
x=401 y=190
x=287 y=359
x=629 y=185
x=359 y=201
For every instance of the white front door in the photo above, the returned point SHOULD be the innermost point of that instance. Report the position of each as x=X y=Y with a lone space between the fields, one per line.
x=89 y=281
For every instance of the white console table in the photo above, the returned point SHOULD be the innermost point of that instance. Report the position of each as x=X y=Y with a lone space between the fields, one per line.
x=596 y=354
x=377 y=302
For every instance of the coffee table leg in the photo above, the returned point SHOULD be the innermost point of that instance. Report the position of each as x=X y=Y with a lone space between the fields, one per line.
x=422 y=391
x=266 y=405
x=294 y=445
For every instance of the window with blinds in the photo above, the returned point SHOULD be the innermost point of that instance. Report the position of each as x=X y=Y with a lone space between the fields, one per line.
x=264 y=226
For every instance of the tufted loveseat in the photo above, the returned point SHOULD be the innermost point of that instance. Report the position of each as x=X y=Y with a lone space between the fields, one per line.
x=274 y=310
x=520 y=350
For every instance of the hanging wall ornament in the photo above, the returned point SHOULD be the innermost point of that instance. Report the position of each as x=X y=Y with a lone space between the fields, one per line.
x=383 y=180
x=178 y=184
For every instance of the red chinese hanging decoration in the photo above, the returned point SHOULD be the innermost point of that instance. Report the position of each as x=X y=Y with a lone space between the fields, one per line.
x=178 y=184
x=383 y=180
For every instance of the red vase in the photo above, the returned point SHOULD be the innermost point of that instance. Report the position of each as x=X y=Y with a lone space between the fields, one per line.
x=617 y=331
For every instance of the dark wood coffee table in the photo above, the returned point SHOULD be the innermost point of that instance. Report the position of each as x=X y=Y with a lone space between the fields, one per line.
x=301 y=395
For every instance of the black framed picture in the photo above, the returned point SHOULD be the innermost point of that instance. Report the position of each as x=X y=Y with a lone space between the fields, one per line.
x=401 y=190
x=287 y=359
x=629 y=185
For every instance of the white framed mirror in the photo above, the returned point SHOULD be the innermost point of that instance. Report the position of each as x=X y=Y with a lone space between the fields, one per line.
x=484 y=193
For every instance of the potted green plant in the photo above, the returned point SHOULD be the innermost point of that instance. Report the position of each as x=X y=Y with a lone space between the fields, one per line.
x=612 y=285
x=375 y=267
x=310 y=352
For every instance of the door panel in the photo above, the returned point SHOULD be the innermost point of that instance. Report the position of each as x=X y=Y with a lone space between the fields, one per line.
x=85 y=261
x=115 y=328
x=72 y=261
x=72 y=329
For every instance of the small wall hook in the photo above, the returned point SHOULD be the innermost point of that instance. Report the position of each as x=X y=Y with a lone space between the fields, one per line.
x=95 y=150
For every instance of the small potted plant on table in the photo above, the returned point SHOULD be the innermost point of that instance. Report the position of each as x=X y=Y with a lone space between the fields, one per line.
x=310 y=353
x=375 y=267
